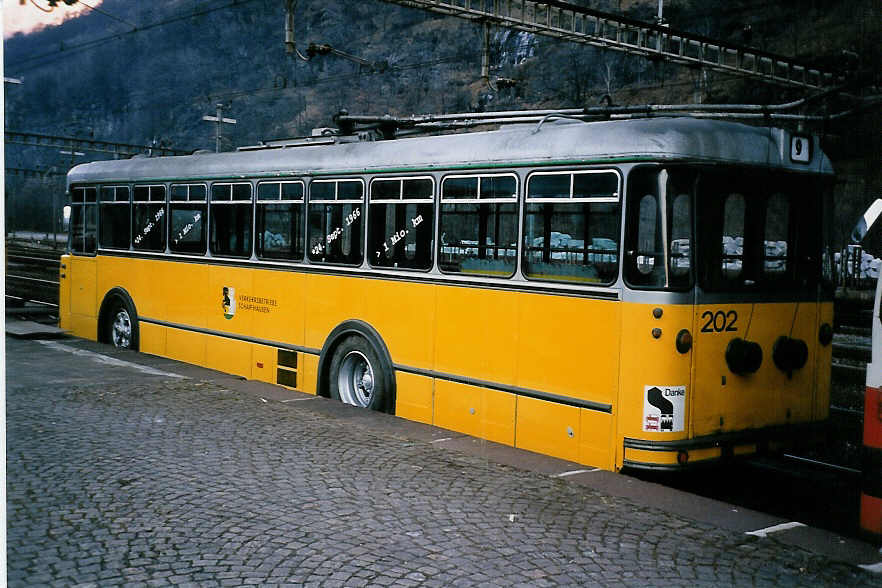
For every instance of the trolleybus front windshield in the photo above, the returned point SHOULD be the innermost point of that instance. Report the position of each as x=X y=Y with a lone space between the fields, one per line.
x=756 y=231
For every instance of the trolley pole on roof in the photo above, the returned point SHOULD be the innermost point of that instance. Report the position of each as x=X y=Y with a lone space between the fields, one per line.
x=219 y=120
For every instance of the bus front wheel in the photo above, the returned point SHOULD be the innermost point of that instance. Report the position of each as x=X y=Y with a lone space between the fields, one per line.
x=120 y=324
x=357 y=376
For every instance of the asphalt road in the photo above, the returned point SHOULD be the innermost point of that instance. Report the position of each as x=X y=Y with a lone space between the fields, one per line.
x=124 y=469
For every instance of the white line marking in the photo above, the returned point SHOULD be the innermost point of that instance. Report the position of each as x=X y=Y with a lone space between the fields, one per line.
x=774 y=529
x=442 y=440
x=875 y=568
x=574 y=472
x=109 y=360
x=299 y=399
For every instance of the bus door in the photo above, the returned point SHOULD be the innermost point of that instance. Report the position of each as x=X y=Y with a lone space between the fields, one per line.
x=658 y=314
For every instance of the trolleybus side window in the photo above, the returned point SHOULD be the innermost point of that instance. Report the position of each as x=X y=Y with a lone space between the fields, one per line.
x=659 y=228
x=401 y=222
x=336 y=217
x=230 y=220
x=187 y=210
x=733 y=236
x=571 y=226
x=114 y=217
x=775 y=258
x=479 y=224
x=84 y=220
x=148 y=218
x=280 y=220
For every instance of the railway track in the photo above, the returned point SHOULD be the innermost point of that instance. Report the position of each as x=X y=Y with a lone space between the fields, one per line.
x=32 y=276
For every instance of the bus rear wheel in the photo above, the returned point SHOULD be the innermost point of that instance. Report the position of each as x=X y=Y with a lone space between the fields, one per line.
x=356 y=375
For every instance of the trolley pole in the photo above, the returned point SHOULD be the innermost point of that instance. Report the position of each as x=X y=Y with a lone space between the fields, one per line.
x=219 y=120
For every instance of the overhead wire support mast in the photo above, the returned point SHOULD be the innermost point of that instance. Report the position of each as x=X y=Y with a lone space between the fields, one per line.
x=219 y=120
x=567 y=21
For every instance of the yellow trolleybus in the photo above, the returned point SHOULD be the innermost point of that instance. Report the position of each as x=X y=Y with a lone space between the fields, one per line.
x=647 y=293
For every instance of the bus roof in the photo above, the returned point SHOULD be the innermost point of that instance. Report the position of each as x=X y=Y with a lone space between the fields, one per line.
x=556 y=142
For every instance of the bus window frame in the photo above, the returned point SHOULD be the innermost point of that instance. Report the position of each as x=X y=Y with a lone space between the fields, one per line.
x=205 y=201
x=150 y=200
x=118 y=203
x=693 y=208
x=280 y=200
x=231 y=202
x=400 y=200
x=83 y=203
x=362 y=241
x=617 y=199
x=516 y=200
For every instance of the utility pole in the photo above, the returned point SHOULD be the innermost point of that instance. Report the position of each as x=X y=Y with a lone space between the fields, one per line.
x=219 y=120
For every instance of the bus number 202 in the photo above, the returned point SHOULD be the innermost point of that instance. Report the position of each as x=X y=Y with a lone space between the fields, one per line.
x=717 y=322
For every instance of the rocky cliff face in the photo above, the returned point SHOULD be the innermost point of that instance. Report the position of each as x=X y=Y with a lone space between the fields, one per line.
x=153 y=83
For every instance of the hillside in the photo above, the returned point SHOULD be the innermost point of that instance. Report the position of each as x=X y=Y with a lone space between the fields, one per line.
x=151 y=81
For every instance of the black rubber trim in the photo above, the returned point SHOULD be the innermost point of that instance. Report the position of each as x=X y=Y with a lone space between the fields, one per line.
x=365 y=330
x=567 y=400
x=724 y=440
x=871 y=471
x=226 y=335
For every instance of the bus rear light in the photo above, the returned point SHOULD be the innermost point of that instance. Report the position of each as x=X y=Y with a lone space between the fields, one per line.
x=684 y=341
x=682 y=457
x=743 y=357
x=789 y=354
x=825 y=334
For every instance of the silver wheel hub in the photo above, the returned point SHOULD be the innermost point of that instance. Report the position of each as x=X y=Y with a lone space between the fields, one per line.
x=355 y=380
x=121 y=329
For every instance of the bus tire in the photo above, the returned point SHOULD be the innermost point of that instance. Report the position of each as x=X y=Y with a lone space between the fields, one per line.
x=119 y=324
x=357 y=375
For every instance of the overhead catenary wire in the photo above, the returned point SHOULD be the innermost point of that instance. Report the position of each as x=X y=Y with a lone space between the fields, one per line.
x=108 y=15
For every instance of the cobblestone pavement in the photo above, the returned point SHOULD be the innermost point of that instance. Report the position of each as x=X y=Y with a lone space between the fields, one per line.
x=114 y=479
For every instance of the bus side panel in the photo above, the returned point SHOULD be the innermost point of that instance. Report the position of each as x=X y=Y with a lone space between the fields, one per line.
x=185 y=346
x=264 y=364
x=597 y=444
x=64 y=301
x=308 y=377
x=227 y=305
x=328 y=301
x=152 y=338
x=186 y=295
x=824 y=366
x=480 y=412
x=568 y=346
x=280 y=303
x=144 y=280
x=83 y=303
x=549 y=428
x=657 y=386
x=414 y=397
x=403 y=313
x=476 y=333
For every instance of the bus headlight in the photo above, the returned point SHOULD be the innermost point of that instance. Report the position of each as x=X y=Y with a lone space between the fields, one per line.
x=743 y=357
